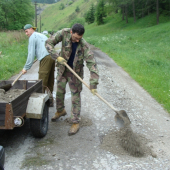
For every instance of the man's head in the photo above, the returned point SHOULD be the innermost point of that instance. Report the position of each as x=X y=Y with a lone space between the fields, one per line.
x=77 y=32
x=29 y=29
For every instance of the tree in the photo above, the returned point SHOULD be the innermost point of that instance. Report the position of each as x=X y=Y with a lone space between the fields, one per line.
x=61 y=7
x=87 y=17
x=90 y=15
x=100 y=12
x=77 y=9
x=16 y=13
x=157 y=11
x=134 y=15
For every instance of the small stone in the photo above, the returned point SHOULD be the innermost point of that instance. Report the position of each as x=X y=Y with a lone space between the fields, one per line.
x=153 y=155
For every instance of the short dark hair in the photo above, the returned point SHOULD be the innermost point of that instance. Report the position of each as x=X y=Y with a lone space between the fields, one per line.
x=78 y=28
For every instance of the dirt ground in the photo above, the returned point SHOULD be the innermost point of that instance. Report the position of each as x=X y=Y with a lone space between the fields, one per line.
x=100 y=144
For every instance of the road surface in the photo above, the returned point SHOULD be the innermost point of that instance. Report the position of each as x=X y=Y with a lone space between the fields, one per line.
x=99 y=144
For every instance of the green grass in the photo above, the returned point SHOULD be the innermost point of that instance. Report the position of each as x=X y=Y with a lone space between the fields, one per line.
x=140 y=49
x=53 y=19
x=14 y=47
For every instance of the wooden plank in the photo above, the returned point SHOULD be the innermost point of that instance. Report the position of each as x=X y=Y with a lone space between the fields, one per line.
x=9 y=119
x=19 y=104
x=2 y=113
x=4 y=82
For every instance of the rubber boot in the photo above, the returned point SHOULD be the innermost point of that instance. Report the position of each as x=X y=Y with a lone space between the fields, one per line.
x=74 y=129
x=58 y=115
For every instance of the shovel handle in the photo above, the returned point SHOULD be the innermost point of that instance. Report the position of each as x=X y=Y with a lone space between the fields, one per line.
x=17 y=78
x=88 y=86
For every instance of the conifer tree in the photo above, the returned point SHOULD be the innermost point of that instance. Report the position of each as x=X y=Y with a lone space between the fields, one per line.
x=100 y=12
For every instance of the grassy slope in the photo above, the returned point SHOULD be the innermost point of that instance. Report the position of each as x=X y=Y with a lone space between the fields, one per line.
x=14 y=53
x=54 y=19
x=141 y=50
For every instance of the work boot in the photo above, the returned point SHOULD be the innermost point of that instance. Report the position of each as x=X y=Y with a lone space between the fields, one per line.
x=58 y=115
x=74 y=129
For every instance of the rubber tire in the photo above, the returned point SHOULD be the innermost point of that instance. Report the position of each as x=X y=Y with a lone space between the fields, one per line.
x=39 y=127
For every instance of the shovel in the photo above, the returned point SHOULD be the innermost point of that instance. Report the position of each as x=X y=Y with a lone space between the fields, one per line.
x=8 y=86
x=121 y=117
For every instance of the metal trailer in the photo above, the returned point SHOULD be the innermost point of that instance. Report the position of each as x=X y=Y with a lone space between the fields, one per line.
x=31 y=104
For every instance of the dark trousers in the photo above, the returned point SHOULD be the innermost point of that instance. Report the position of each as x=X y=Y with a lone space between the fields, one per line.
x=46 y=72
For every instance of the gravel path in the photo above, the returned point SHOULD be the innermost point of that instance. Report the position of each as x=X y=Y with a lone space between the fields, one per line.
x=99 y=144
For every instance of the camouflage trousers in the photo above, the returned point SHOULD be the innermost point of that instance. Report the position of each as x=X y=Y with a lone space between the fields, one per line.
x=75 y=87
x=46 y=72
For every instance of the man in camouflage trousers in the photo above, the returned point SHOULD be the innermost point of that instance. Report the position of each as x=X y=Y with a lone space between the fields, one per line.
x=74 y=52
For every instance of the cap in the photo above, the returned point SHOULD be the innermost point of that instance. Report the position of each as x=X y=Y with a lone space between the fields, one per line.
x=27 y=26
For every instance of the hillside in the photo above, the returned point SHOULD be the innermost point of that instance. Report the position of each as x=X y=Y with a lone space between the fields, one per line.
x=52 y=18
x=141 y=48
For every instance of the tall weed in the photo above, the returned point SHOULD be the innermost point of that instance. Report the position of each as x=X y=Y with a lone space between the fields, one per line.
x=13 y=49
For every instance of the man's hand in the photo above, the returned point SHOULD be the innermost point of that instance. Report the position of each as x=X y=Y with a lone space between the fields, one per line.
x=24 y=71
x=61 y=60
x=94 y=91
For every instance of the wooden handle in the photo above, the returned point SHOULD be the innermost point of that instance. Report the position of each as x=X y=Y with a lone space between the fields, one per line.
x=17 y=78
x=89 y=87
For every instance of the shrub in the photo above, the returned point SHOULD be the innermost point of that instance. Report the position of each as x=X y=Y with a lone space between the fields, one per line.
x=77 y=20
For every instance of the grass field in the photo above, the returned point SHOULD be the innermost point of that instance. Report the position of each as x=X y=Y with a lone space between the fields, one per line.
x=140 y=49
x=13 y=46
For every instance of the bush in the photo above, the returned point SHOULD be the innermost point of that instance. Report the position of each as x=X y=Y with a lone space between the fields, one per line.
x=77 y=20
x=61 y=7
x=70 y=2
x=77 y=9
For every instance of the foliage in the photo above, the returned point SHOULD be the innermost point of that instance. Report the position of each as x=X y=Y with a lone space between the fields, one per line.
x=44 y=1
x=90 y=15
x=15 y=14
x=77 y=20
x=70 y=2
x=77 y=9
x=100 y=12
x=61 y=7
x=140 y=8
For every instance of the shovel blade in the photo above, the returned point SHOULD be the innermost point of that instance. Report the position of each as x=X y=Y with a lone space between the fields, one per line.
x=122 y=119
x=6 y=87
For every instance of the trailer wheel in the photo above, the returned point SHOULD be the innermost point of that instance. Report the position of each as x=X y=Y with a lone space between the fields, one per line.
x=39 y=127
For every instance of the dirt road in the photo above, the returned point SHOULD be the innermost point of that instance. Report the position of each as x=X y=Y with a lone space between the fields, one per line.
x=99 y=144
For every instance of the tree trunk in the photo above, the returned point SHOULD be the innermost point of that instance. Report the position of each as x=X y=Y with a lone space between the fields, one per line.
x=148 y=7
x=126 y=10
x=134 y=15
x=142 y=11
x=157 y=11
x=123 y=12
